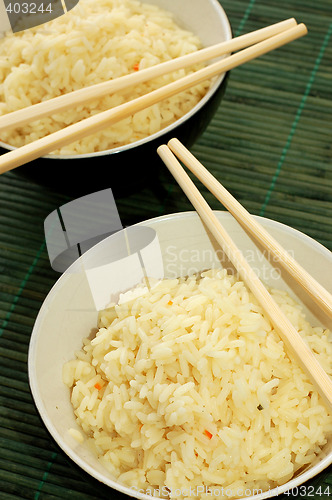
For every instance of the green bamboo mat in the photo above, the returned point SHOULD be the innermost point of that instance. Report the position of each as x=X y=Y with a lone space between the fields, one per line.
x=270 y=145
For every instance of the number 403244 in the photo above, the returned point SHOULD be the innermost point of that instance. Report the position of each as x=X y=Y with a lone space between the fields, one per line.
x=28 y=8
x=309 y=491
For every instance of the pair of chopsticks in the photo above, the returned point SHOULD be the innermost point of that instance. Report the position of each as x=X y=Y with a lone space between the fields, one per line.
x=323 y=298
x=254 y=44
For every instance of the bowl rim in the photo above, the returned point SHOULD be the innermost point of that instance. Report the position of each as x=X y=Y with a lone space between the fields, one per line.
x=287 y=487
x=215 y=84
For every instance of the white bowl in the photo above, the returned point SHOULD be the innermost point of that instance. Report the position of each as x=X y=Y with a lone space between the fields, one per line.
x=69 y=313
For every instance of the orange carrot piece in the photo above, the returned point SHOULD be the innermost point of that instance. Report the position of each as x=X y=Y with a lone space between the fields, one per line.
x=208 y=434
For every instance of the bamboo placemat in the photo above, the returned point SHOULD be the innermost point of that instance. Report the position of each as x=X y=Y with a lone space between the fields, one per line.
x=270 y=145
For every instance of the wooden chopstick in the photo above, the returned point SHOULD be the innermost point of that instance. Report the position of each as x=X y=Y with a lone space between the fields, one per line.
x=82 y=96
x=316 y=291
x=292 y=339
x=104 y=119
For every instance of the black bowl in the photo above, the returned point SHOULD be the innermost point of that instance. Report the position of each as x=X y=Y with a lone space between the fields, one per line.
x=130 y=168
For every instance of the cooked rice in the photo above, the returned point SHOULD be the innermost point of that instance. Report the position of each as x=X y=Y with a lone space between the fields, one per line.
x=188 y=389
x=96 y=41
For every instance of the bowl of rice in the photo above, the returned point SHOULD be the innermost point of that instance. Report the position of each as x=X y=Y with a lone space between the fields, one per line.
x=94 y=42
x=157 y=372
